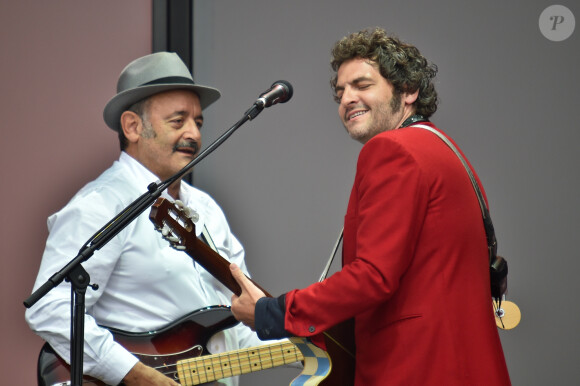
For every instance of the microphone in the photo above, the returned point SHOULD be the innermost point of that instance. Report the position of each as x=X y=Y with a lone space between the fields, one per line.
x=280 y=92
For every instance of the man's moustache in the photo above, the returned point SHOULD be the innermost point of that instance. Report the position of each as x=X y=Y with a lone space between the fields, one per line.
x=193 y=145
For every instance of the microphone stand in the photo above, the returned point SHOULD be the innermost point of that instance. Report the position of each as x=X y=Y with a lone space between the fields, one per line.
x=74 y=272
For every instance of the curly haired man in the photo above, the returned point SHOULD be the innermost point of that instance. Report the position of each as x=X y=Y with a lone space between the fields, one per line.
x=415 y=275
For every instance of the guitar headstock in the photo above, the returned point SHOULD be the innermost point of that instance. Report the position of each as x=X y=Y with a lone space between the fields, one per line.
x=175 y=222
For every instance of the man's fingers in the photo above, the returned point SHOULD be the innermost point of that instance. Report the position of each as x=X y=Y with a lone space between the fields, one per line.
x=243 y=305
x=239 y=276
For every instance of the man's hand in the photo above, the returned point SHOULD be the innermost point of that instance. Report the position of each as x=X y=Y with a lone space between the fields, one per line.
x=243 y=306
x=141 y=375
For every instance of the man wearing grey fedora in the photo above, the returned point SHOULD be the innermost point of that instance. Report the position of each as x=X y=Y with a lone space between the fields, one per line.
x=144 y=284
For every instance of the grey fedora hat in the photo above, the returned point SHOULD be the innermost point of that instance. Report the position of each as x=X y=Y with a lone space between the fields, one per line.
x=149 y=75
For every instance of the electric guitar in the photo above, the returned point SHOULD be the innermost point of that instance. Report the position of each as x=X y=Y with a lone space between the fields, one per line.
x=179 y=351
x=175 y=223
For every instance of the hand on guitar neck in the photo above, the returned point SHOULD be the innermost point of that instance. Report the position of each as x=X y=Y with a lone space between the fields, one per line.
x=244 y=305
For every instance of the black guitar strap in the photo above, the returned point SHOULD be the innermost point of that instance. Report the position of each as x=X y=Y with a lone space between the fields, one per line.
x=498 y=268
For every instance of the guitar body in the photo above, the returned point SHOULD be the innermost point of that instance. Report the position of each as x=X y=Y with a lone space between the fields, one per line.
x=162 y=349
x=340 y=345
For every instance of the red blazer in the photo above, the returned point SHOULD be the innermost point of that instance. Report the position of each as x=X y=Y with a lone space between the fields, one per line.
x=415 y=271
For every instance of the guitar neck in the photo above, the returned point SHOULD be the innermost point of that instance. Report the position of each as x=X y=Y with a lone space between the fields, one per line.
x=209 y=368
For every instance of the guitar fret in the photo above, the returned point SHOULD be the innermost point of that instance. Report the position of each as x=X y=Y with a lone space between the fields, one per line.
x=207 y=369
x=216 y=369
x=244 y=361
x=255 y=362
x=272 y=358
x=184 y=373
x=236 y=367
x=226 y=366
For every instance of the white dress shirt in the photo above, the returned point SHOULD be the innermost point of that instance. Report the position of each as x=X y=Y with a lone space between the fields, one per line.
x=144 y=284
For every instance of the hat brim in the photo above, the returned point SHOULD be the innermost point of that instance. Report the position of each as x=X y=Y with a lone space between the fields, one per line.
x=122 y=101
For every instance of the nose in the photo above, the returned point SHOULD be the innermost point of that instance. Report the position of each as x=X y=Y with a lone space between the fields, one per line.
x=192 y=131
x=349 y=96
x=348 y=99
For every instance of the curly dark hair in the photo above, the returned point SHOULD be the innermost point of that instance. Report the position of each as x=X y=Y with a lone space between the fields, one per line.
x=400 y=63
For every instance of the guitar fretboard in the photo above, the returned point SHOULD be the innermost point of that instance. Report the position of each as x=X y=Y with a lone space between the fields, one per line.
x=217 y=366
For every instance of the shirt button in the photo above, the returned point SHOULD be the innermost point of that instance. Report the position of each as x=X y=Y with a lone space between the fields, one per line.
x=311 y=329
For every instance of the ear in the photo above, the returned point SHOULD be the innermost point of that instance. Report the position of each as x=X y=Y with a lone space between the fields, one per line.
x=409 y=99
x=131 y=125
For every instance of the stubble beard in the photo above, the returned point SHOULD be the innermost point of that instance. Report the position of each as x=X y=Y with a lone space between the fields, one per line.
x=384 y=118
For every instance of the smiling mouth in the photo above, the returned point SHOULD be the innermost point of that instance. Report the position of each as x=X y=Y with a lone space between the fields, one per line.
x=357 y=114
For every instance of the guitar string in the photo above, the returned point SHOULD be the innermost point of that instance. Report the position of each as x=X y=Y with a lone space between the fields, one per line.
x=279 y=356
x=238 y=369
x=279 y=349
x=210 y=371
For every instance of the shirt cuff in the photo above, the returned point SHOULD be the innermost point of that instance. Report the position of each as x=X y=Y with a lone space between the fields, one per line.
x=269 y=318
x=116 y=364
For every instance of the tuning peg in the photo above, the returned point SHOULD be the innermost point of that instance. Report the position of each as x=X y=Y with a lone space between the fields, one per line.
x=191 y=214
x=172 y=239
x=187 y=211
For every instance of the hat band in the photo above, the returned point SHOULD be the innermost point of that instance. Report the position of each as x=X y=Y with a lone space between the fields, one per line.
x=171 y=80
